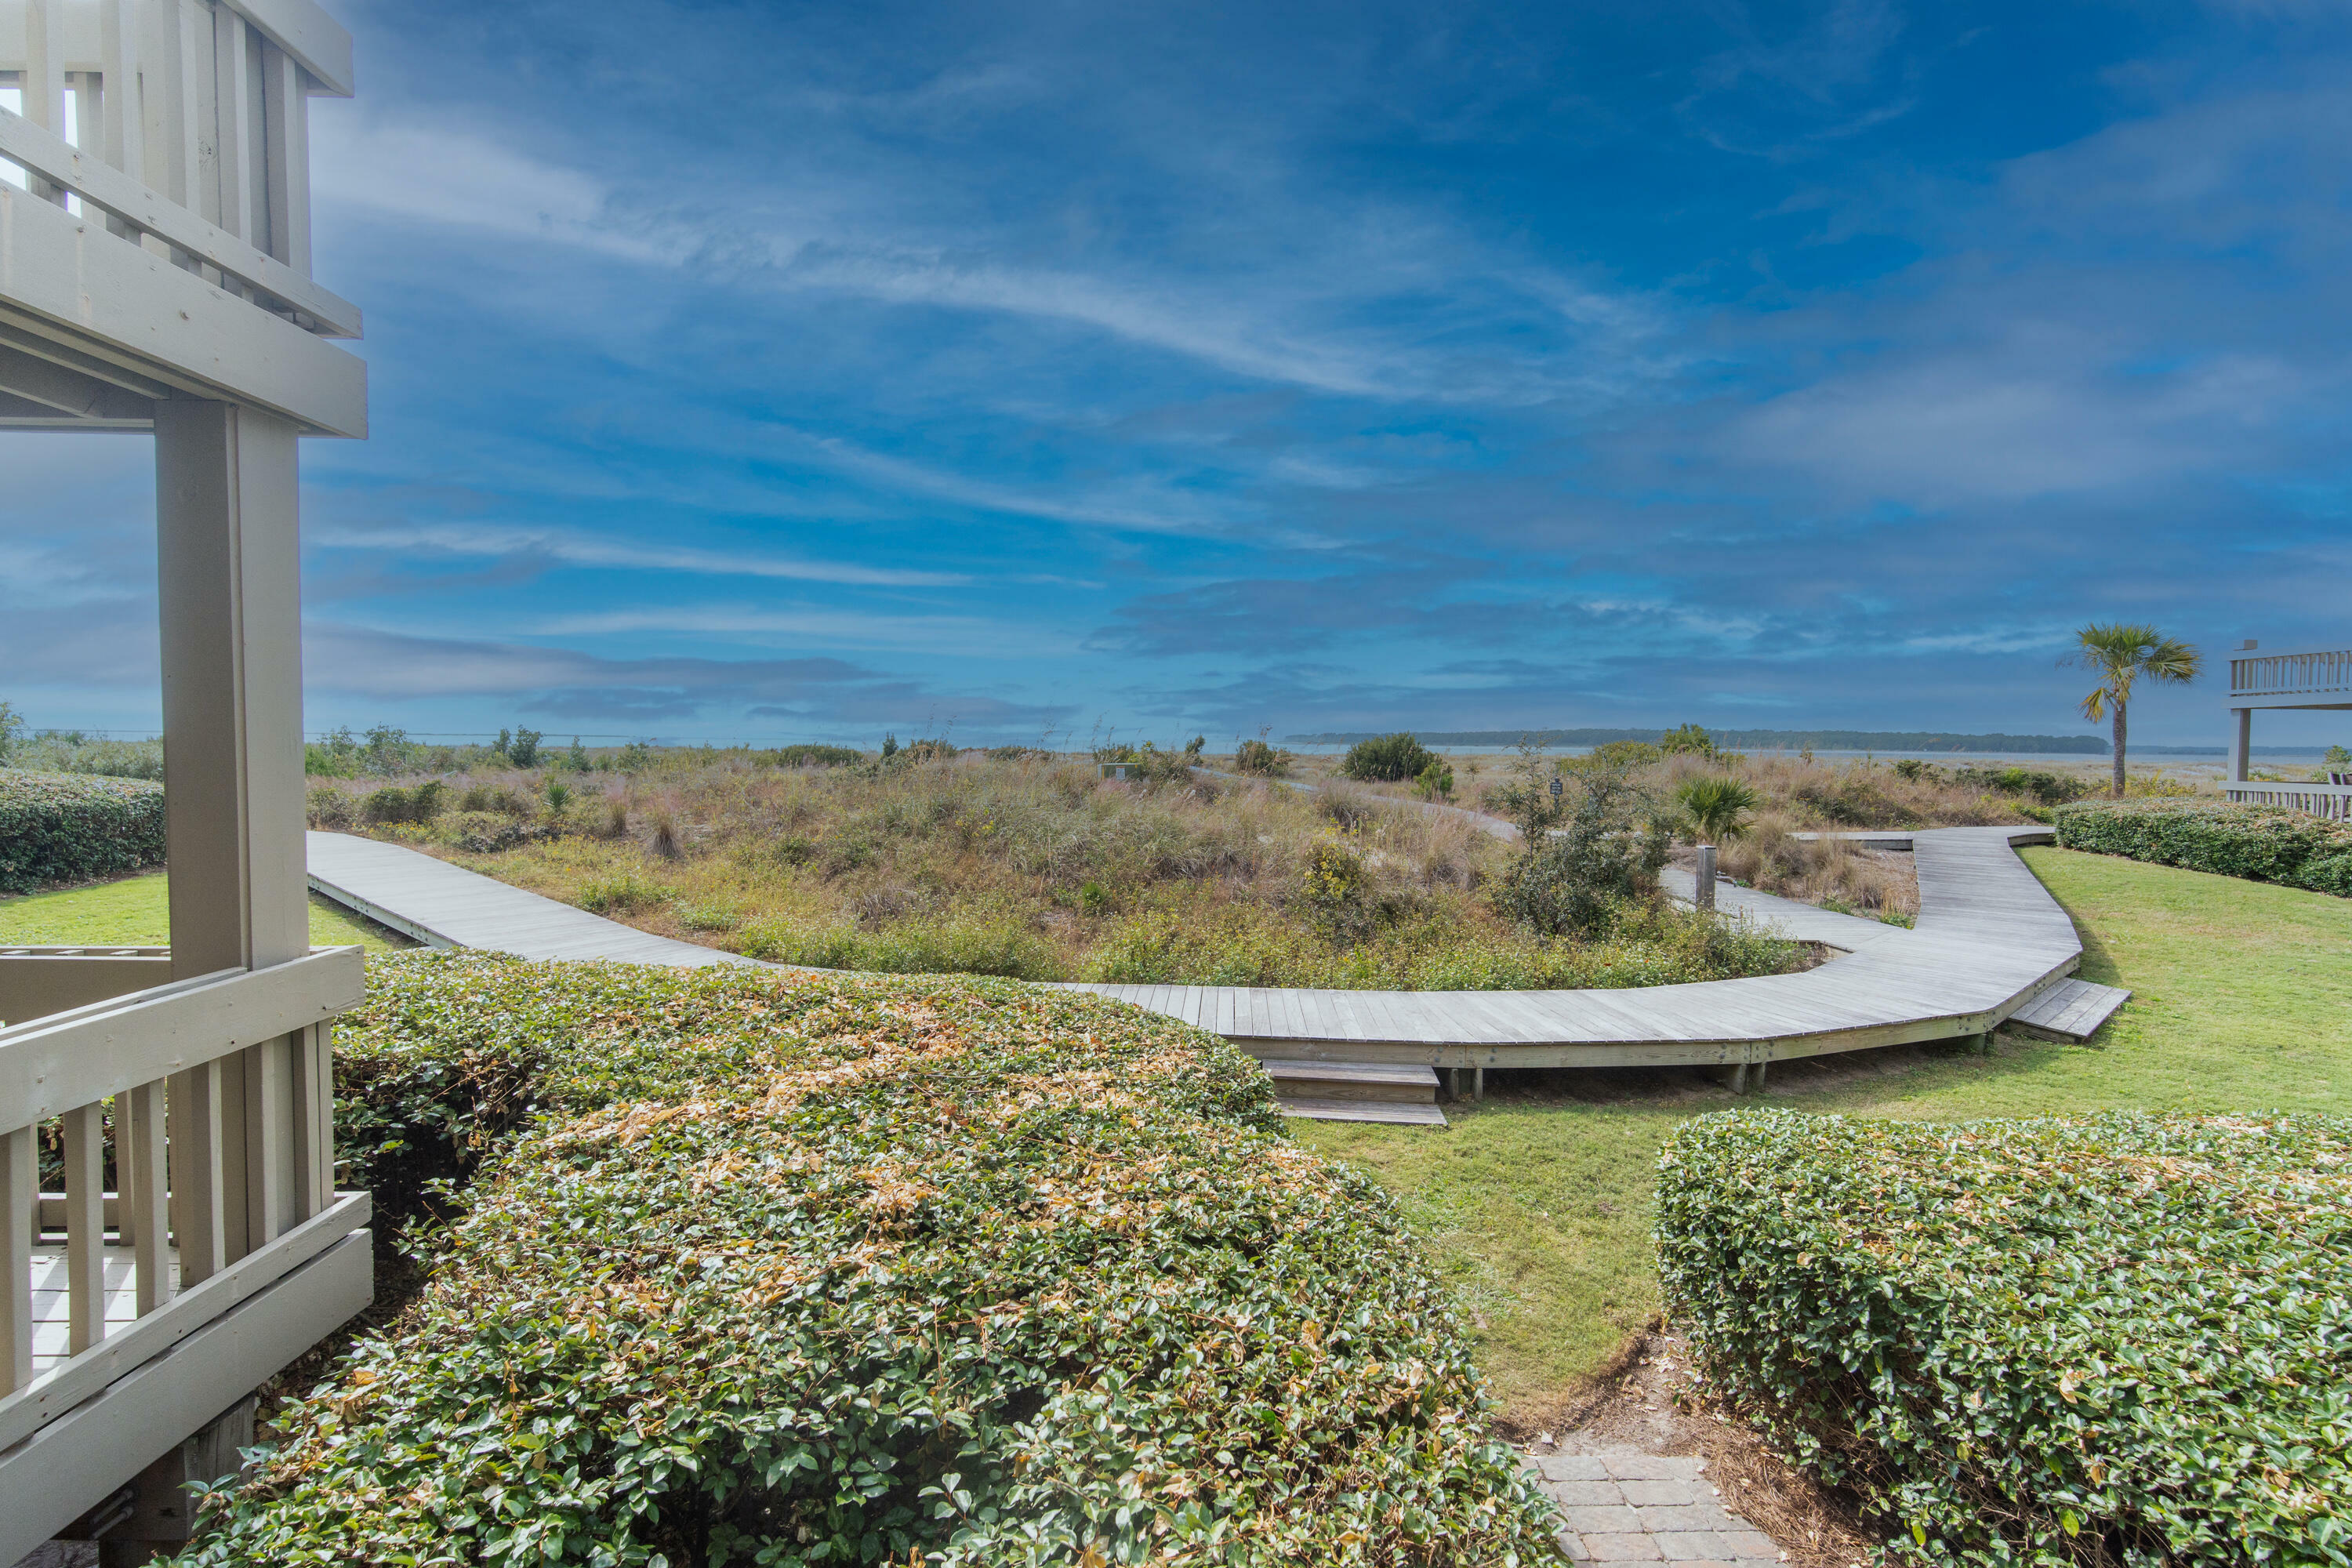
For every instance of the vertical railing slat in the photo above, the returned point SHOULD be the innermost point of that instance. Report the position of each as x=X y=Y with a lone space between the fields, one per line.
x=268 y=1108
x=20 y=1193
x=197 y=1187
x=139 y=1180
x=85 y=1150
x=233 y=127
x=286 y=119
x=119 y=63
x=314 y=1122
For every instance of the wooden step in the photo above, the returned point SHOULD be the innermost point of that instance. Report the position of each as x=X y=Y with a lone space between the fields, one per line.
x=1364 y=1111
x=1383 y=1081
x=2071 y=1010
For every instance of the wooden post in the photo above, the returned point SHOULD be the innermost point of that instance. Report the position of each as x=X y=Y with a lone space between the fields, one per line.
x=1705 y=892
x=231 y=612
x=2242 y=733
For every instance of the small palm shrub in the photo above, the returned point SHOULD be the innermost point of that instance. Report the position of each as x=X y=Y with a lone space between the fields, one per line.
x=1717 y=806
x=1386 y=759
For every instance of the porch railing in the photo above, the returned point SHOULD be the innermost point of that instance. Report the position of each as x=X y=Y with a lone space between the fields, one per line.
x=2319 y=674
x=94 y=1282
x=2334 y=801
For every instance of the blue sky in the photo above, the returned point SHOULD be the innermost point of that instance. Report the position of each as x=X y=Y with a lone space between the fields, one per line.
x=806 y=371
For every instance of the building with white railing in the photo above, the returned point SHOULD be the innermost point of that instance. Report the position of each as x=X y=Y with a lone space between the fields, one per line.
x=2319 y=677
x=170 y=1232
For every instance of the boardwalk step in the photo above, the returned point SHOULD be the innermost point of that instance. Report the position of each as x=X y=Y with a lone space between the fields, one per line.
x=1364 y=1111
x=1353 y=1080
x=2071 y=1010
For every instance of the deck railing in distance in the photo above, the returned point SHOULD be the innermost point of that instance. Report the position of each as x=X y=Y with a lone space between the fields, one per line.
x=2319 y=674
x=2332 y=801
x=97 y=1278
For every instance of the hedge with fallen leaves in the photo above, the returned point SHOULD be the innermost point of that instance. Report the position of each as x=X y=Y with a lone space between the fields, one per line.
x=2118 y=1339
x=782 y=1268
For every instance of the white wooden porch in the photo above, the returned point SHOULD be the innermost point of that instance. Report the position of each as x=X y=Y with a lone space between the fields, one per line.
x=176 y=1103
x=2304 y=678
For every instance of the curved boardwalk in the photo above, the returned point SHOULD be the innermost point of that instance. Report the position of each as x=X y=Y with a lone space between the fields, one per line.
x=1991 y=944
x=1989 y=939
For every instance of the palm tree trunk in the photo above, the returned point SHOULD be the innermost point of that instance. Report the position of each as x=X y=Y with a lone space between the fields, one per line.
x=2119 y=749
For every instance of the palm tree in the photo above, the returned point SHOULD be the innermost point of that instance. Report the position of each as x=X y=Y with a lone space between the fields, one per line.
x=1717 y=806
x=2119 y=655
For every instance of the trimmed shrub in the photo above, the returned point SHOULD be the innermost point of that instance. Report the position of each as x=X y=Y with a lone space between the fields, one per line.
x=2263 y=842
x=2118 y=1339
x=70 y=827
x=1389 y=759
x=782 y=1269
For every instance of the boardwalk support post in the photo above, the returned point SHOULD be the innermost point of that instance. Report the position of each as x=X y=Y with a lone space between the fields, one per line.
x=1703 y=894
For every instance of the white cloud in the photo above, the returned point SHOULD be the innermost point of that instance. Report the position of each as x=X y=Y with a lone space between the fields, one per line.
x=588 y=550
x=789 y=625
x=1277 y=326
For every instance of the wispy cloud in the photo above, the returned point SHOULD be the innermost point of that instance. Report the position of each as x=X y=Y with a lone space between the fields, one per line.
x=557 y=546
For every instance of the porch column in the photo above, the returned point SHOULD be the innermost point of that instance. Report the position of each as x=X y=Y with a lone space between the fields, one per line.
x=231 y=603
x=2241 y=730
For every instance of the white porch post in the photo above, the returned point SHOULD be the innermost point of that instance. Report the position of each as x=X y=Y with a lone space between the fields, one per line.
x=2242 y=732
x=225 y=503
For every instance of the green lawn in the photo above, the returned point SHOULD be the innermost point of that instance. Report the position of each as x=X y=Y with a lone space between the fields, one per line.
x=133 y=913
x=1538 y=1201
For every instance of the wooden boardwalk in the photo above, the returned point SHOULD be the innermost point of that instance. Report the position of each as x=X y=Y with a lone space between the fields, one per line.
x=1990 y=942
x=442 y=905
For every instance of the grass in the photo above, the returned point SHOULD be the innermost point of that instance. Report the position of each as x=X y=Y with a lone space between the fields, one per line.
x=1037 y=870
x=134 y=912
x=1540 y=1201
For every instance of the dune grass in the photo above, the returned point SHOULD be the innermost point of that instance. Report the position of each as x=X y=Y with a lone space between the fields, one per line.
x=1539 y=1200
x=134 y=912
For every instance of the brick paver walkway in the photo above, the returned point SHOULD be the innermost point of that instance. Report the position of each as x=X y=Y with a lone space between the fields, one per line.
x=1622 y=1505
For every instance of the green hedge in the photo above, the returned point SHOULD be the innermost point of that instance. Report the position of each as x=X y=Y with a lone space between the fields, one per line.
x=778 y=1268
x=70 y=827
x=2266 y=843
x=2120 y=1339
